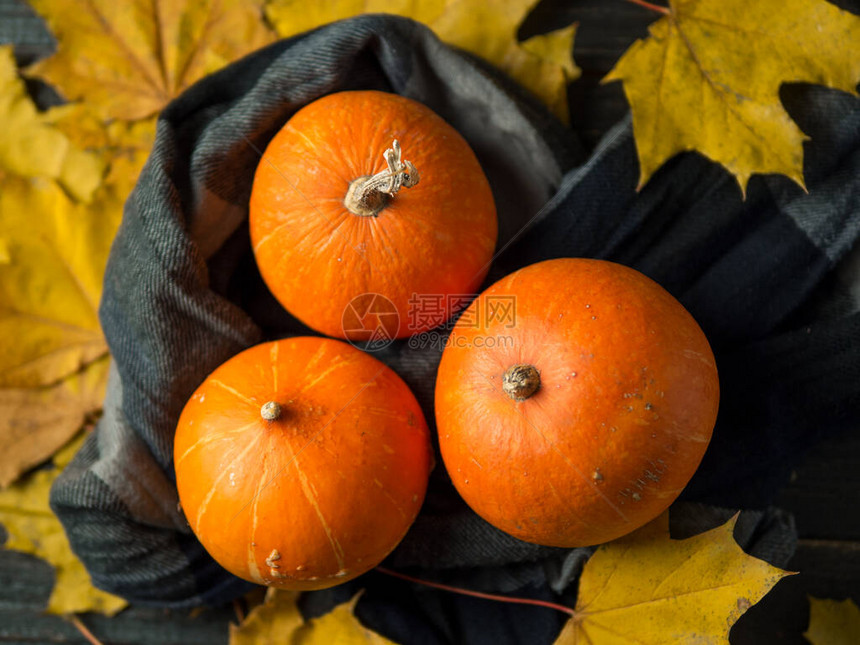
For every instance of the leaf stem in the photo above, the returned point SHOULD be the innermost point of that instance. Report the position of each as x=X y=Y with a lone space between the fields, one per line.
x=478 y=594
x=86 y=633
x=239 y=610
x=651 y=6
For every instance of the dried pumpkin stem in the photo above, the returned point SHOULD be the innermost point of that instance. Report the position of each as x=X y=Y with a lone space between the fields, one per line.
x=368 y=195
x=270 y=411
x=521 y=381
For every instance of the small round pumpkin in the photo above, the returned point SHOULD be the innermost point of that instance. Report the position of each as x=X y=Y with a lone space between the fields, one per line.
x=301 y=463
x=366 y=192
x=574 y=401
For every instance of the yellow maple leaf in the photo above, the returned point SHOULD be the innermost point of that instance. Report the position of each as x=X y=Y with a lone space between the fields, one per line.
x=275 y=620
x=57 y=220
x=647 y=588
x=708 y=76
x=543 y=64
x=129 y=59
x=54 y=247
x=36 y=421
x=50 y=288
x=278 y=620
x=833 y=622
x=31 y=147
x=53 y=366
x=66 y=174
x=122 y=146
x=291 y=17
x=33 y=528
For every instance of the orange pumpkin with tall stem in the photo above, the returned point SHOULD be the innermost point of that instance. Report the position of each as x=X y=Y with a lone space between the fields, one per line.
x=366 y=192
x=301 y=463
x=580 y=414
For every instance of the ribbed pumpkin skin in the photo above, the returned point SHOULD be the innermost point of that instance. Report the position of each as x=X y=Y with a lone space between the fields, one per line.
x=328 y=489
x=315 y=256
x=626 y=407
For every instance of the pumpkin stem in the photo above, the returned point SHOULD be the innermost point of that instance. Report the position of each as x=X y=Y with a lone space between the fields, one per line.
x=521 y=381
x=368 y=195
x=270 y=411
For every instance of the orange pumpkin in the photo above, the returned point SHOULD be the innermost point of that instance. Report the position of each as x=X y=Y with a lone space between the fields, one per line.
x=574 y=401
x=301 y=463
x=337 y=211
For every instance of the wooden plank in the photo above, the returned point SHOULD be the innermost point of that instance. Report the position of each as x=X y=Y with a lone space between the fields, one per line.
x=829 y=568
x=25 y=583
x=142 y=626
x=826 y=569
x=25 y=586
x=824 y=490
x=606 y=30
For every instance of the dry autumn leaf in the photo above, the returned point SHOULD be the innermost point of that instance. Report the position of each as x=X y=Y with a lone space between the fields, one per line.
x=31 y=147
x=33 y=528
x=50 y=288
x=122 y=146
x=549 y=68
x=273 y=621
x=647 y=588
x=127 y=60
x=833 y=622
x=543 y=64
x=35 y=422
x=290 y=17
x=278 y=620
x=54 y=248
x=708 y=77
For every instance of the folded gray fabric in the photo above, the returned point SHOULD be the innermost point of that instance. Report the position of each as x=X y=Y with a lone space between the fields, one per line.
x=182 y=295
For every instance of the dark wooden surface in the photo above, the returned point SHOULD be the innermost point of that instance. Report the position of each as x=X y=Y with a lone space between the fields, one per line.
x=822 y=495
